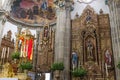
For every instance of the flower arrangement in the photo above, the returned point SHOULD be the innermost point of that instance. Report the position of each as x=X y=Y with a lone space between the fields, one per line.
x=16 y=55
x=57 y=66
x=79 y=72
x=25 y=66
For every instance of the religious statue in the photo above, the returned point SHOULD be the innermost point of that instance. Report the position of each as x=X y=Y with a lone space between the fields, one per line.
x=74 y=60
x=88 y=17
x=46 y=31
x=27 y=44
x=108 y=59
x=89 y=46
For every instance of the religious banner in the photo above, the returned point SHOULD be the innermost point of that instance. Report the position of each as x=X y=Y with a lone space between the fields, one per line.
x=30 y=49
x=27 y=41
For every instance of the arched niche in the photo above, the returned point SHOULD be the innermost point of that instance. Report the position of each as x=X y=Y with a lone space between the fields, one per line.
x=89 y=40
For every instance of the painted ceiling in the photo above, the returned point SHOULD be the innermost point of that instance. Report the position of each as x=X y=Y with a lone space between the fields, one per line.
x=33 y=11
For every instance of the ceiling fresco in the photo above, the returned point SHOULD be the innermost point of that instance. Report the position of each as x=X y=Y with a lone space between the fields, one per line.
x=33 y=11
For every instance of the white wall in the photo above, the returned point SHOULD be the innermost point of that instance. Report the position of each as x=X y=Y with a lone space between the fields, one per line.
x=9 y=26
x=13 y=28
x=96 y=4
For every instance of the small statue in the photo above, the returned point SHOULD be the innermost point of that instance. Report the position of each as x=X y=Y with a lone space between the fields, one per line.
x=108 y=58
x=74 y=60
x=46 y=31
x=89 y=48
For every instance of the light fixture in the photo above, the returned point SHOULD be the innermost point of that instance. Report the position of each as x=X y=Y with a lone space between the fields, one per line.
x=85 y=1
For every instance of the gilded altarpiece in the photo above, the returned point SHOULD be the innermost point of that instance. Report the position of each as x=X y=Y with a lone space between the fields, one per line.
x=45 y=49
x=91 y=41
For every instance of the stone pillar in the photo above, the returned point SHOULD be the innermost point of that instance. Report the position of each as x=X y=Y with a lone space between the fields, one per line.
x=59 y=35
x=117 y=42
x=2 y=24
x=7 y=5
x=115 y=34
x=62 y=39
x=67 y=44
x=0 y=4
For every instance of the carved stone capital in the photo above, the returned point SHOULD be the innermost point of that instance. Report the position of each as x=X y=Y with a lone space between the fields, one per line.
x=19 y=28
x=60 y=4
x=69 y=6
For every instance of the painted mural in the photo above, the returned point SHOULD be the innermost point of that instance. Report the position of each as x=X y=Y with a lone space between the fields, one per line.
x=33 y=11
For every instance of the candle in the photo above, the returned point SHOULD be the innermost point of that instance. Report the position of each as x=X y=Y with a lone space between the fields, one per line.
x=8 y=52
x=2 y=53
x=21 y=55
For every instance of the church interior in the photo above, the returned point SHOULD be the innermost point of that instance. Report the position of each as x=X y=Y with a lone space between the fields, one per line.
x=59 y=39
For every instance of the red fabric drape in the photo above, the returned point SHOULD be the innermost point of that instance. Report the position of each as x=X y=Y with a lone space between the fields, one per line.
x=30 y=46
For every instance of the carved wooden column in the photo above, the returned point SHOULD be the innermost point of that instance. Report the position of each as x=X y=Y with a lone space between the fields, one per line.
x=17 y=40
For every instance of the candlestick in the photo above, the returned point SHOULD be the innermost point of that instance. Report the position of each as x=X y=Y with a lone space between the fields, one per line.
x=4 y=53
x=21 y=54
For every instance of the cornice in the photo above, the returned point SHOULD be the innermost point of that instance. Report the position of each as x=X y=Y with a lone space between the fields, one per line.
x=26 y=25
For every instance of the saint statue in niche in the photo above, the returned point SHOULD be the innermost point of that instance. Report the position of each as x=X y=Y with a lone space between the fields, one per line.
x=89 y=46
x=88 y=18
x=46 y=32
x=74 y=60
x=108 y=59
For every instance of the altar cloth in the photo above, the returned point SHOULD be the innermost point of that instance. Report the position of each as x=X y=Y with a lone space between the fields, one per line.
x=8 y=78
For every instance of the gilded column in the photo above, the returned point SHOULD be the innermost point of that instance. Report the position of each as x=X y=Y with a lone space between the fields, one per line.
x=17 y=40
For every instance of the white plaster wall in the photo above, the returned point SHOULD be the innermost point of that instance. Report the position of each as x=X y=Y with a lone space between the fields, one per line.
x=96 y=4
x=9 y=26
